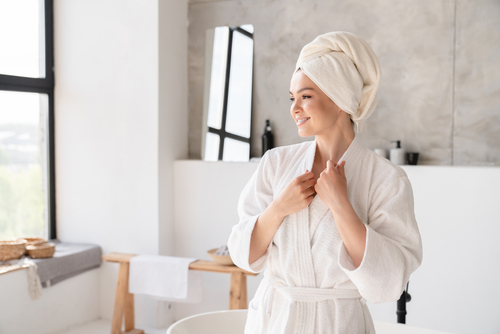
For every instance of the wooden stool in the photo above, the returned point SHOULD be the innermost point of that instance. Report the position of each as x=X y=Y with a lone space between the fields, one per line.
x=124 y=300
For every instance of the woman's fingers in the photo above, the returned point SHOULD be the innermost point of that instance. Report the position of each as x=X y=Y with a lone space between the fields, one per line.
x=304 y=177
x=307 y=184
x=341 y=169
x=309 y=192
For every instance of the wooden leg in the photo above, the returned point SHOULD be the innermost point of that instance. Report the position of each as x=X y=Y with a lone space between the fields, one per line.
x=124 y=304
x=238 y=292
x=121 y=293
x=129 y=311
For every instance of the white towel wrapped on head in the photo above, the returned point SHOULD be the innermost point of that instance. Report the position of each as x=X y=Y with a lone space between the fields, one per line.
x=165 y=278
x=346 y=69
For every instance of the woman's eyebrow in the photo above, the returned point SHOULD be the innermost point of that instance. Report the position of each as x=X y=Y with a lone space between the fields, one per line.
x=305 y=88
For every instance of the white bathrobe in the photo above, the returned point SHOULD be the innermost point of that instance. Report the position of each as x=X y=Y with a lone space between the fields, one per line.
x=310 y=284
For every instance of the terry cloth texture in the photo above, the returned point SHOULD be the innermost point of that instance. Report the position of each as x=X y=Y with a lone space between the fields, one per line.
x=310 y=283
x=346 y=69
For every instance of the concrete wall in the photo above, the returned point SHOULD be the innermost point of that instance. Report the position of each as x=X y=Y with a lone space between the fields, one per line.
x=453 y=291
x=440 y=60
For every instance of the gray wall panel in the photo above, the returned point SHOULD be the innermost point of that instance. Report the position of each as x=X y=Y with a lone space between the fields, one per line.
x=477 y=85
x=415 y=45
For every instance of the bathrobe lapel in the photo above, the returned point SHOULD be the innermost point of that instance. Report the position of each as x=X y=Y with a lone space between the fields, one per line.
x=317 y=209
x=307 y=277
x=304 y=273
x=303 y=224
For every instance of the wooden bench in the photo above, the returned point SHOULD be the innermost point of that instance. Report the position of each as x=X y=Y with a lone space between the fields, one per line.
x=124 y=300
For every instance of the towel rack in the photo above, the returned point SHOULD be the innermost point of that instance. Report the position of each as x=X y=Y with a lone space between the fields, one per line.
x=124 y=300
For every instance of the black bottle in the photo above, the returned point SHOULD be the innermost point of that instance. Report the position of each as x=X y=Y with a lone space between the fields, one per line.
x=267 y=138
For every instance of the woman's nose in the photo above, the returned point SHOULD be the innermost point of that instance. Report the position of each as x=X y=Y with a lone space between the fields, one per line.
x=296 y=108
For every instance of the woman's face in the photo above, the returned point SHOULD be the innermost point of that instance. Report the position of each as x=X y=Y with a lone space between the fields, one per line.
x=312 y=110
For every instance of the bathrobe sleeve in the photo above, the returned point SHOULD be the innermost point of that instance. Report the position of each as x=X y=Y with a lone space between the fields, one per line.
x=393 y=245
x=254 y=199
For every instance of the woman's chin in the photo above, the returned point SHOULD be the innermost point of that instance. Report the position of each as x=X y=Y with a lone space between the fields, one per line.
x=305 y=134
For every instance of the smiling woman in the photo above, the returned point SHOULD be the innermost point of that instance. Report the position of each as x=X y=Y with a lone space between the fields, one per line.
x=320 y=216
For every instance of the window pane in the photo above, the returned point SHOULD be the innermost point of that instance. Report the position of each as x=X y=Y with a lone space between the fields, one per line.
x=239 y=102
x=21 y=38
x=235 y=150
x=218 y=77
x=23 y=164
x=212 y=147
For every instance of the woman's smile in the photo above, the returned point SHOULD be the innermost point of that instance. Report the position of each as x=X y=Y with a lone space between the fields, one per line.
x=302 y=120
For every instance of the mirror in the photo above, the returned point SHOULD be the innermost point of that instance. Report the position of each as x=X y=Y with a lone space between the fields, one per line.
x=227 y=102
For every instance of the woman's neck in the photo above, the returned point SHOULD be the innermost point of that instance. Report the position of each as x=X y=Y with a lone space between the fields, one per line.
x=332 y=145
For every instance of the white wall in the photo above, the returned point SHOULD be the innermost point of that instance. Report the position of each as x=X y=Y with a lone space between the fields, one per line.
x=62 y=306
x=172 y=110
x=454 y=290
x=121 y=121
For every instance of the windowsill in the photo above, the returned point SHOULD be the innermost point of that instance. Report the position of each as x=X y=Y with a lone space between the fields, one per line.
x=70 y=259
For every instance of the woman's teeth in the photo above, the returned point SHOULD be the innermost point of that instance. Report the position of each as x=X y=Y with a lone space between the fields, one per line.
x=302 y=120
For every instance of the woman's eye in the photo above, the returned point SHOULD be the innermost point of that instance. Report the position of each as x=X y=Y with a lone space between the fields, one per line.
x=292 y=99
x=304 y=96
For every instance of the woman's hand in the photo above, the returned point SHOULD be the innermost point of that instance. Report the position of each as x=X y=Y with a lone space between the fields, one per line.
x=297 y=195
x=332 y=189
x=331 y=185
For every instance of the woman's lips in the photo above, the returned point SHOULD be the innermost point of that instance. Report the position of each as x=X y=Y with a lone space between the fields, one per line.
x=302 y=121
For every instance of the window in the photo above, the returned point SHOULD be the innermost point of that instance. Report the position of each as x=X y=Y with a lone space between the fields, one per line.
x=229 y=99
x=27 y=194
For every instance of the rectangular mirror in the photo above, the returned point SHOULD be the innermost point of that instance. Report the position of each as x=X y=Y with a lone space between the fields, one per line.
x=227 y=102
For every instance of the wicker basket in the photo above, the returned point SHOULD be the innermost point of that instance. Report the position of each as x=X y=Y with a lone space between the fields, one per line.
x=35 y=241
x=41 y=251
x=12 y=249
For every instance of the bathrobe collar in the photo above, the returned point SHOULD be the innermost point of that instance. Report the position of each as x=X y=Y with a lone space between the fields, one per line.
x=351 y=156
x=304 y=231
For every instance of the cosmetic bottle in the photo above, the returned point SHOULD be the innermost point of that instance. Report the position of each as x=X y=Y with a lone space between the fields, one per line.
x=267 y=138
x=398 y=155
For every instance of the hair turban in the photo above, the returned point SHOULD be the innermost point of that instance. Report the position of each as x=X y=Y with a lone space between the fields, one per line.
x=346 y=69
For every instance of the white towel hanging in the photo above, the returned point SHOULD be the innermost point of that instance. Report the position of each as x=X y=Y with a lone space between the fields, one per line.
x=165 y=278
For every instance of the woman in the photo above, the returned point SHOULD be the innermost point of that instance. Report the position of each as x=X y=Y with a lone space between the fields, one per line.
x=331 y=222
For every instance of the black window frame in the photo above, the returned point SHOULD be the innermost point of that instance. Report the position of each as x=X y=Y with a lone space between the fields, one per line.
x=46 y=86
x=222 y=133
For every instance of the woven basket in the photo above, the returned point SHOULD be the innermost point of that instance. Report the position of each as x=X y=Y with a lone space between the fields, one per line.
x=12 y=249
x=41 y=251
x=35 y=241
